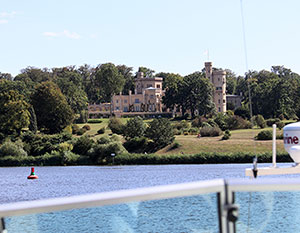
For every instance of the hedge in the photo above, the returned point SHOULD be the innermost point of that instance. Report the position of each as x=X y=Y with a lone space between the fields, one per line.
x=147 y=159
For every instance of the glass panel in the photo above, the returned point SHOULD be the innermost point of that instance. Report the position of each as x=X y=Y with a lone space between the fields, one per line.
x=187 y=214
x=268 y=211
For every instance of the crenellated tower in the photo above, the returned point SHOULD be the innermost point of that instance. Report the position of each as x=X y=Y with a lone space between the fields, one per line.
x=218 y=79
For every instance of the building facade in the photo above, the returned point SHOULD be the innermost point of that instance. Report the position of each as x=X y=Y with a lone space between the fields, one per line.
x=218 y=79
x=148 y=93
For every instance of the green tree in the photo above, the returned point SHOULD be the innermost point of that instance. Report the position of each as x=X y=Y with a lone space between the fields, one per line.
x=109 y=80
x=14 y=114
x=51 y=107
x=231 y=82
x=126 y=72
x=160 y=131
x=70 y=83
x=147 y=72
x=196 y=94
x=134 y=127
x=171 y=85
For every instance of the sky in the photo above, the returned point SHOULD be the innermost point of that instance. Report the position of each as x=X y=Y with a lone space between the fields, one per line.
x=175 y=36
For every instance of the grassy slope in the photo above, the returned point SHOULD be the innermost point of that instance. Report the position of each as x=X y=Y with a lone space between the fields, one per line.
x=240 y=141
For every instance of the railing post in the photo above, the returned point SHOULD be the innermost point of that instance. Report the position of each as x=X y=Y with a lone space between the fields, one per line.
x=228 y=211
x=2 y=226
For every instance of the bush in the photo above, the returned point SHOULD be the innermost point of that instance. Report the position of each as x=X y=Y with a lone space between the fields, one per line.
x=210 y=131
x=81 y=131
x=271 y=121
x=82 y=145
x=226 y=135
x=65 y=146
x=243 y=112
x=101 y=152
x=86 y=127
x=264 y=135
x=94 y=121
x=69 y=158
x=136 y=145
x=9 y=148
x=101 y=130
x=36 y=145
x=181 y=125
x=116 y=125
x=193 y=131
x=280 y=125
x=260 y=121
x=198 y=121
x=175 y=145
x=75 y=129
x=134 y=127
x=177 y=132
x=160 y=132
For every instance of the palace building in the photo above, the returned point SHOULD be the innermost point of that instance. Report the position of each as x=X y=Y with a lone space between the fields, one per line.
x=148 y=93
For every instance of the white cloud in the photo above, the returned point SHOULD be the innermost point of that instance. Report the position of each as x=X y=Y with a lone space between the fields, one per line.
x=72 y=35
x=3 y=21
x=7 y=14
x=65 y=33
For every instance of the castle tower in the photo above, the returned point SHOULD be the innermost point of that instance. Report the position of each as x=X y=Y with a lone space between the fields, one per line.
x=218 y=79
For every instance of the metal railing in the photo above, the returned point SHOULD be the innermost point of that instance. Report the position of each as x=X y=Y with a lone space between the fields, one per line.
x=225 y=190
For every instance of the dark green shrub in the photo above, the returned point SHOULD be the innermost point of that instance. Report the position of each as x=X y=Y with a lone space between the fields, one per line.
x=86 y=127
x=280 y=125
x=175 y=145
x=69 y=158
x=94 y=121
x=134 y=127
x=101 y=130
x=197 y=122
x=264 y=135
x=281 y=117
x=116 y=125
x=160 y=132
x=180 y=125
x=260 y=121
x=210 y=131
x=226 y=135
x=136 y=145
x=279 y=136
x=243 y=112
x=81 y=131
x=9 y=148
x=104 y=140
x=99 y=152
x=193 y=131
x=82 y=145
x=271 y=121
x=177 y=132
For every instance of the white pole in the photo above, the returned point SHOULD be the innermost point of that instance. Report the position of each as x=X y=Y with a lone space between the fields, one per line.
x=274 y=146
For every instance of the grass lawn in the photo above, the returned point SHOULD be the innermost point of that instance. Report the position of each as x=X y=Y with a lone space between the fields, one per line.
x=240 y=141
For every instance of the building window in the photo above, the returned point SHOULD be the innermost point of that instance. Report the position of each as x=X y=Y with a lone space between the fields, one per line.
x=218 y=88
x=125 y=109
x=219 y=109
x=157 y=86
x=219 y=101
x=137 y=108
x=224 y=101
x=136 y=101
x=117 y=108
x=125 y=101
x=117 y=101
x=149 y=85
x=151 y=96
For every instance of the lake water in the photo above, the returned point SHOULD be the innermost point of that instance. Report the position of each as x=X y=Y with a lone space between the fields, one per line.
x=188 y=214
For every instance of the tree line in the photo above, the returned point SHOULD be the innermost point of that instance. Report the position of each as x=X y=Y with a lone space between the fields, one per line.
x=50 y=99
